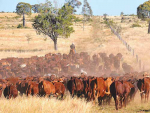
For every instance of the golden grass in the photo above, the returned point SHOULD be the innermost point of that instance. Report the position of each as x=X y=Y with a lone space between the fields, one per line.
x=94 y=39
x=44 y=105
x=68 y=105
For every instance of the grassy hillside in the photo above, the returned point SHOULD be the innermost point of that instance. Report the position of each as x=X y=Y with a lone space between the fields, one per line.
x=96 y=37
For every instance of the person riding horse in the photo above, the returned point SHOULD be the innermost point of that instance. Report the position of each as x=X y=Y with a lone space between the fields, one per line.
x=72 y=47
x=72 y=51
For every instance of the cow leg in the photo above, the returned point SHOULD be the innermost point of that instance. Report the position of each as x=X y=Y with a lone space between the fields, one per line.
x=142 y=96
x=9 y=97
x=72 y=93
x=109 y=99
x=62 y=96
x=100 y=100
x=147 y=96
x=124 y=101
x=120 y=100
x=93 y=95
x=116 y=101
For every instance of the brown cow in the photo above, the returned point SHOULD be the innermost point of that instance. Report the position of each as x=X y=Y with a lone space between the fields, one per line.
x=87 y=88
x=33 y=88
x=75 y=86
x=10 y=91
x=22 y=87
x=59 y=89
x=144 y=87
x=120 y=91
x=46 y=88
x=117 y=91
x=98 y=87
x=108 y=82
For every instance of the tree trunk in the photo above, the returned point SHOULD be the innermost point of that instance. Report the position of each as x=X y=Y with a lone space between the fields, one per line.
x=23 y=20
x=55 y=44
x=149 y=28
x=83 y=25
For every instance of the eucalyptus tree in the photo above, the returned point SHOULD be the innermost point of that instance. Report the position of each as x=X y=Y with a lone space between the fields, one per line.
x=54 y=22
x=23 y=8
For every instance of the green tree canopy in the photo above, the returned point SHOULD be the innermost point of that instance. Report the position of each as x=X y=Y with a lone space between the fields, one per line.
x=144 y=10
x=74 y=4
x=23 y=8
x=36 y=8
x=54 y=22
x=86 y=11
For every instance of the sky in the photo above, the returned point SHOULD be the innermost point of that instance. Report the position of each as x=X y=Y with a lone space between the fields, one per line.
x=99 y=7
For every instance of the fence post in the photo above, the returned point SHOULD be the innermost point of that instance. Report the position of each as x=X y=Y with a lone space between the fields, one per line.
x=139 y=64
x=133 y=52
x=137 y=58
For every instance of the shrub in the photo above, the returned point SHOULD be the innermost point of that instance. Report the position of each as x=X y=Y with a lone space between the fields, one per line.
x=20 y=26
x=16 y=17
x=136 y=25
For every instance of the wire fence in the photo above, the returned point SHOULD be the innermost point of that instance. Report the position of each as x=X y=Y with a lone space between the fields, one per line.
x=129 y=48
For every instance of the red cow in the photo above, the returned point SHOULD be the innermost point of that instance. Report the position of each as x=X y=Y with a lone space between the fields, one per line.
x=59 y=89
x=75 y=86
x=10 y=91
x=33 y=88
x=46 y=88
x=144 y=87
x=98 y=87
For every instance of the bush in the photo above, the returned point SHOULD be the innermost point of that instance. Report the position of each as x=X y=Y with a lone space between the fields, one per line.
x=20 y=26
x=136 y=25
x=77 y=19
x=16 y=17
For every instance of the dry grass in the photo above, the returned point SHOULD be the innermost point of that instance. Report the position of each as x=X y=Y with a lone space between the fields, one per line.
x=68 y=105
x=94 y=39
x=44 y=105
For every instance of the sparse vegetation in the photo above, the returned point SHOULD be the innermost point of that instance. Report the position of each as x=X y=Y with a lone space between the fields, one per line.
x=28 y=38
x=136 y=25
x=20 y=26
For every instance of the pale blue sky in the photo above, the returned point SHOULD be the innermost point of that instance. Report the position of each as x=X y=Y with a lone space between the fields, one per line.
x=99 y=7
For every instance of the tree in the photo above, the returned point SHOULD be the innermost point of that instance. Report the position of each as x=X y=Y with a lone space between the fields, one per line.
x=54 y=22
x=36 y=8
x=149 y=28
x=121 y=14
x=105 y=16
x=74 y=4
x=22 y=9
x=86 y=11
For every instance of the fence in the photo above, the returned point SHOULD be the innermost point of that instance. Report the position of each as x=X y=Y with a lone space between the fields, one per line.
x=129 y=48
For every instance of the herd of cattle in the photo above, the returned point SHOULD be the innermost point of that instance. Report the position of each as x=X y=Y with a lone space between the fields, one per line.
x=54 y=74
x=66 y=64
